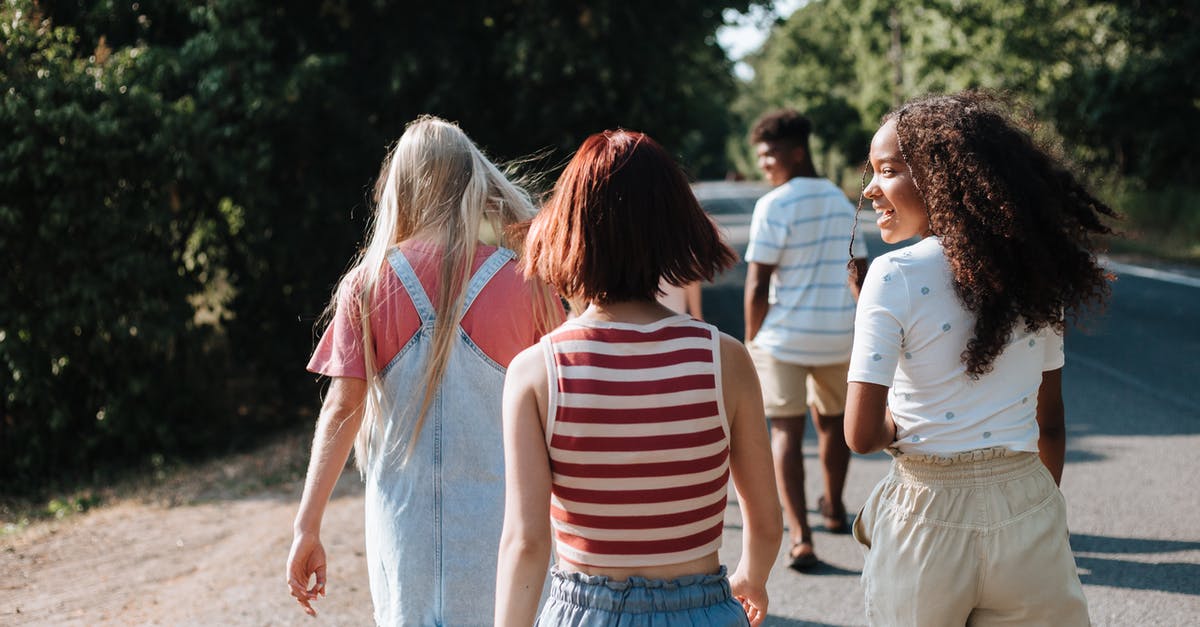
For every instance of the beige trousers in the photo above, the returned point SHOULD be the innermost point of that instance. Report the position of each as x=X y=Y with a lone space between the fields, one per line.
x=979 y=538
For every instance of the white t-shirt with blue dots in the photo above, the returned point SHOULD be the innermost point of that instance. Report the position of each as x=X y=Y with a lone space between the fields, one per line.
x=909 y=334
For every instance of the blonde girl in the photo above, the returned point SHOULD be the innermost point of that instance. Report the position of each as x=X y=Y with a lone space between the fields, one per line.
x=424 y=325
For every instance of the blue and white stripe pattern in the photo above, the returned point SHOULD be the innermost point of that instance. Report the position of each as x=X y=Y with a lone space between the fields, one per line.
x=803 y=228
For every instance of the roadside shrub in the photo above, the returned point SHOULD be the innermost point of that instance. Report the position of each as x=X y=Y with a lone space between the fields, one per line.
x=1164 y=220
x=101 y=355
x=182 y=182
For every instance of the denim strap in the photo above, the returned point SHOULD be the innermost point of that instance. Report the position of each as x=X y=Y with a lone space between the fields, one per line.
x=408 y=278
x=485 y=274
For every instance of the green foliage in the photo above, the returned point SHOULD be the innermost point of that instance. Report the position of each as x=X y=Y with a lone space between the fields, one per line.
x=817 y=47
x=98 y=202
x=181 y=184
x=1168 y=217
x=62 y=507
x=1132 y=97
x=1116 y=80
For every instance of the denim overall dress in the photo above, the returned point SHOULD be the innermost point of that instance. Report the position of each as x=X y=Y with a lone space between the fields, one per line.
x=433 y=522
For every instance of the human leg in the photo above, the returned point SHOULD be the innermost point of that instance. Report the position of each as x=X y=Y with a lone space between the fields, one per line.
x=787 y=434
x=826 y=386
x=835 y=462
x=784 y=402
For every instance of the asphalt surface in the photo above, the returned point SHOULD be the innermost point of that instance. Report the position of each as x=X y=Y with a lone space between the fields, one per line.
x=1131 y=482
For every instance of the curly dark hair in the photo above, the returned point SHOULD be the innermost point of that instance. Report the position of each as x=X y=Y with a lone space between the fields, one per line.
x=1016 y=225
x=781 y=125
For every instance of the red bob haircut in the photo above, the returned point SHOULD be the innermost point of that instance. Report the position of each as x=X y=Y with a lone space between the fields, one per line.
x=622 y=216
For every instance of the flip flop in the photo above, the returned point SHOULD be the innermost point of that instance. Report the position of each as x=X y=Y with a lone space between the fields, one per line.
x=804 y=562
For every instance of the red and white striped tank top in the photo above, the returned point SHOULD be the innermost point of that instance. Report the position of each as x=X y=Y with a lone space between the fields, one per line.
x=638 y=441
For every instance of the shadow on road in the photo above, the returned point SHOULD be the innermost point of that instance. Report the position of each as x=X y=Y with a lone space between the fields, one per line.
x=1087 y=543
x=1075 y=455
x=824 y=568
x=723 y=304
x=779 y=621
x=1177 y=577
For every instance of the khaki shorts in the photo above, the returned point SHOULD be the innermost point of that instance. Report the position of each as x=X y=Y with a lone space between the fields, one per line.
x=788 y=389
x=978 y=538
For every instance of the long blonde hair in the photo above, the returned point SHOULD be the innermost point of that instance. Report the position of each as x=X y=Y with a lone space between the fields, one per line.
x=435 y=182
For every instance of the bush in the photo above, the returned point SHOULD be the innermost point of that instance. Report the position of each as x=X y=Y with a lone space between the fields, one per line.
x=103 y=358
x=1163 y=221
x=181 y=183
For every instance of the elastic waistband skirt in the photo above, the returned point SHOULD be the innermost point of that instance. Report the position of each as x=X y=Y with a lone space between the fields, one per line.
x=985 y=466
x=639 y=595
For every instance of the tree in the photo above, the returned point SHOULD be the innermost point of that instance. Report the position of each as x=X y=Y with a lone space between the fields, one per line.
x=98 y=221
x=808 y=64
x=182 y=183
x=1115 y=78
x=1129 y=96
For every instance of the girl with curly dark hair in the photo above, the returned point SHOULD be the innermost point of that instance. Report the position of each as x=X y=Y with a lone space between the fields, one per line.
x=957 y=368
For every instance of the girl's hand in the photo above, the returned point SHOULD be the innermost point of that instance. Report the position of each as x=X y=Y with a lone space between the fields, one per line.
x=752 y=597
x=306 y=559
x=341 y=416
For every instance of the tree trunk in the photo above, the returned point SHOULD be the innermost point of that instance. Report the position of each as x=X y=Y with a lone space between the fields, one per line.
x=896 y=56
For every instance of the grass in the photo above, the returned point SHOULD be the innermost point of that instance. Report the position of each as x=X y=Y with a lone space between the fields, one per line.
x=278 y=464
x=1162 y=223
x=1154 y=246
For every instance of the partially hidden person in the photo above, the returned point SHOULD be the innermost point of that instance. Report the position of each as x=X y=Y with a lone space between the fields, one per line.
x=623 y=426
x=688 y=299
x=799 y=312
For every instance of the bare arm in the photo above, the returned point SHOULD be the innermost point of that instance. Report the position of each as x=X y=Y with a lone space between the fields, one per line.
x=758 y=287
x=341 y=415
x=525 y=540
x=869 y=426
x=753 y=477
x=1051 y=419
x=857 y=275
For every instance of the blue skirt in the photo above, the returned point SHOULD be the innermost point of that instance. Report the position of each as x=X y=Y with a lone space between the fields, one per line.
x=583 y=600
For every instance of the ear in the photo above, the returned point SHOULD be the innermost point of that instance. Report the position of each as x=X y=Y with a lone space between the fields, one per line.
x=798 y=154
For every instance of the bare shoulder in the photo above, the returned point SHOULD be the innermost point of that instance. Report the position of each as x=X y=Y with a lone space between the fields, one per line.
x=737 y=372
x=735 y=359
x=526 y=386
x=527 y=368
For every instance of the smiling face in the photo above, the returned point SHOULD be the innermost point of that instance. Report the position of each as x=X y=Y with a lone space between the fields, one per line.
x=894 y=196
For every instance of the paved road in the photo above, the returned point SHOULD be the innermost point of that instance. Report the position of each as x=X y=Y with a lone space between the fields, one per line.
x=1131 y=479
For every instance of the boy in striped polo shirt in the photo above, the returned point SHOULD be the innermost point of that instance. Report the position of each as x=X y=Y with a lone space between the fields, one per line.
x=800 y=317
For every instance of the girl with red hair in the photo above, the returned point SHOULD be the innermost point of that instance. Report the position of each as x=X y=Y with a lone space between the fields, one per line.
x=623 y=426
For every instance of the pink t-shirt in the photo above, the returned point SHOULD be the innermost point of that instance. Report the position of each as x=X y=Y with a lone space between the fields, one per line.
x=501 y=321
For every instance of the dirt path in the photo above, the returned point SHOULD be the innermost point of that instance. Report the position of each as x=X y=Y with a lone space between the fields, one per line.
x=205 y=548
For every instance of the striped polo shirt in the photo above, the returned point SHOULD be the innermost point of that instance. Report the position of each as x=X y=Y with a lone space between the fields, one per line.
x=803 y=228
x=638 y=441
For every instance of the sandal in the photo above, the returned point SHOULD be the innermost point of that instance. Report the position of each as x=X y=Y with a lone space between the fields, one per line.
x=804 y=561
x=834 y=523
